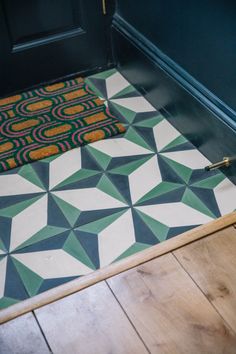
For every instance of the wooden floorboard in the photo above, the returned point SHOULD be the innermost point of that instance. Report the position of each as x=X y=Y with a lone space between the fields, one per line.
x=89 y=322
x=22 y=336
x=180 y=302
x=211 y=263
x=169 y=311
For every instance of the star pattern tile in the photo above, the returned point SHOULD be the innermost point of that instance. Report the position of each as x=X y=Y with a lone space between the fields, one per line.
x=65 y=216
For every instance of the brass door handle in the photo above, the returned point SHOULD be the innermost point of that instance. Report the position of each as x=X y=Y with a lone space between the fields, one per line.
x=104 y=7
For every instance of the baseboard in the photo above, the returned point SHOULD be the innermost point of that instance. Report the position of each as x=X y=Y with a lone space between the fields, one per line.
x=199 y=115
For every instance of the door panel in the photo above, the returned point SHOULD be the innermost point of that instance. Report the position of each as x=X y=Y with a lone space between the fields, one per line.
x=42 y=40
x=30 y=21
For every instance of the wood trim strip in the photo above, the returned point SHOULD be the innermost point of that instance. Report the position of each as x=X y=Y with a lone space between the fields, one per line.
x=116 y=268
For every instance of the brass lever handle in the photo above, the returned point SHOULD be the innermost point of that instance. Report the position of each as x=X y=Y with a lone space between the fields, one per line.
x=226 y=162
x=104 y=7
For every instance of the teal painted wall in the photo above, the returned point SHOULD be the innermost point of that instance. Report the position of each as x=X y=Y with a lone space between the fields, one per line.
x=199 y=35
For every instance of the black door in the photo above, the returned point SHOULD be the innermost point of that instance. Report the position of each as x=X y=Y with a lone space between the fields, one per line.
x=42 y=40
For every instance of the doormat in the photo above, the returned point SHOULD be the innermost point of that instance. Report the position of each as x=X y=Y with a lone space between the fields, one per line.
x=51 y=120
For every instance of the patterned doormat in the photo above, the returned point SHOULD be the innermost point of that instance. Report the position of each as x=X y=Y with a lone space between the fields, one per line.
x=67 y=215
x=50 y=120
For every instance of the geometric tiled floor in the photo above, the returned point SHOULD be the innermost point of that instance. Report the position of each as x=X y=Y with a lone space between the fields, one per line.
x=70 y=214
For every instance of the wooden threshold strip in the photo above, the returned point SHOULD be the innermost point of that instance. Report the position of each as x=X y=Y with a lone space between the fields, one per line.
x=118 y=267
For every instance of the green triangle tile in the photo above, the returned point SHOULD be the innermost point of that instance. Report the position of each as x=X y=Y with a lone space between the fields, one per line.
x=46 y=232
x=125 y=91
x=159 y=230
x=135 y=248
x=71 y=213
x=178 y=141
x=102 y=159
x=125 y=112
x=2 y=246
x=73 y=247
x=7 y=301
x=31 y=280
x=95 y=90
x=190 y=199
x=210 y=182
x=133 y=136
x=151 y=122
x=29 y=173
x=181 y=170
x=103 y=75
x=15 y=209
x=108 y=187
x=160 y=189
x=78 y=176
x=97 y=226
x=128 y=168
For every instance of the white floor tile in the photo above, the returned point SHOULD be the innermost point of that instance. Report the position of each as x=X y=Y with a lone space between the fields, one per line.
x=116 y=239
x=175 y=214
x=52 y=264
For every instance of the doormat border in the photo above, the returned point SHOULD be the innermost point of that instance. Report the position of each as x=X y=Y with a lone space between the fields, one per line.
x=51 y=120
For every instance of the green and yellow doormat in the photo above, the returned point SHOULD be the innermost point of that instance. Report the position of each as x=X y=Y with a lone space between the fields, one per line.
x=50 y=120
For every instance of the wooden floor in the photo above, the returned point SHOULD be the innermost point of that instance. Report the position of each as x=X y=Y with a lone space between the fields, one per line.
x=181 y=302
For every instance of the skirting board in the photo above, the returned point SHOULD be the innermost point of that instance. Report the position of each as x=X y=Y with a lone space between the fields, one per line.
x=178 y=97
x=85 y=281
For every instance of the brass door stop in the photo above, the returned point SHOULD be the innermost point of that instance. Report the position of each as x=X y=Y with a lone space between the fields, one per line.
x=226 y=162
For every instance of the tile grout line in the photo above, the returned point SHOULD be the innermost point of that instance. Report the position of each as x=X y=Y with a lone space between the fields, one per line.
x=42 y=332
x=198 y=286
x=128 y=318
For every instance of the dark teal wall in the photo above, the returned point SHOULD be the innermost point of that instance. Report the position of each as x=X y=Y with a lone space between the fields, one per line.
x=199 y=35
